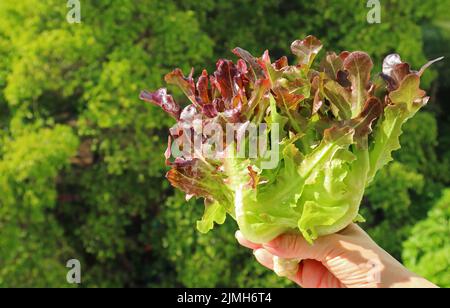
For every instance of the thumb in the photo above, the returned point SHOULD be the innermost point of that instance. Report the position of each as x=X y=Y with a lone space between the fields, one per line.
x=290 y=246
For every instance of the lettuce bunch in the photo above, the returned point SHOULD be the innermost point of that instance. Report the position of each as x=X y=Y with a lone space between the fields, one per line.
x=335 y=128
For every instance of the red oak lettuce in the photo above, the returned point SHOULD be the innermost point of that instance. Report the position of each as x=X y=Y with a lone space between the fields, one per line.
x=335 y=127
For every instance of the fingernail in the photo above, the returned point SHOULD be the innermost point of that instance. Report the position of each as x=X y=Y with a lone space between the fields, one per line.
x=262 y=255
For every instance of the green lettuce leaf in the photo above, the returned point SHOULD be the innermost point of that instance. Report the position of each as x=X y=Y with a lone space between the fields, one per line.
x=214 y=213
x=405 y=103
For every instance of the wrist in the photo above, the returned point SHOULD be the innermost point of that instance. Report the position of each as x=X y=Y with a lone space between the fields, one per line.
x=397 y=276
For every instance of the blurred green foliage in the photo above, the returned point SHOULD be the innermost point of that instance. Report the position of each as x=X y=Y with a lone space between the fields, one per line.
x=81 y=165
x=427 y=251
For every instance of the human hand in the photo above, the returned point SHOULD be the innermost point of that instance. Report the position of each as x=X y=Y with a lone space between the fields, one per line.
x=346 y=259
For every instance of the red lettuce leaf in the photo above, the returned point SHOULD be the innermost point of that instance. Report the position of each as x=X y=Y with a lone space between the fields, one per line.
x=163 y=100
x=306 y=50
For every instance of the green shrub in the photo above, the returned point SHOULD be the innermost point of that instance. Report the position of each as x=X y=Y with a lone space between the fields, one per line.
x=33 y=249
x=427 y=250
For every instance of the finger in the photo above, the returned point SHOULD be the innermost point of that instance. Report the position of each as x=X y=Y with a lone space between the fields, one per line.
x=244 y=242
x=264 y=257
x=313 y=274
x=295 y=246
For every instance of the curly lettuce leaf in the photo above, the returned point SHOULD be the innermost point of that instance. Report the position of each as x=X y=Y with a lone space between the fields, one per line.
x=214 y=213
x=306 y=50
x=405 y=103
x=358 y=65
